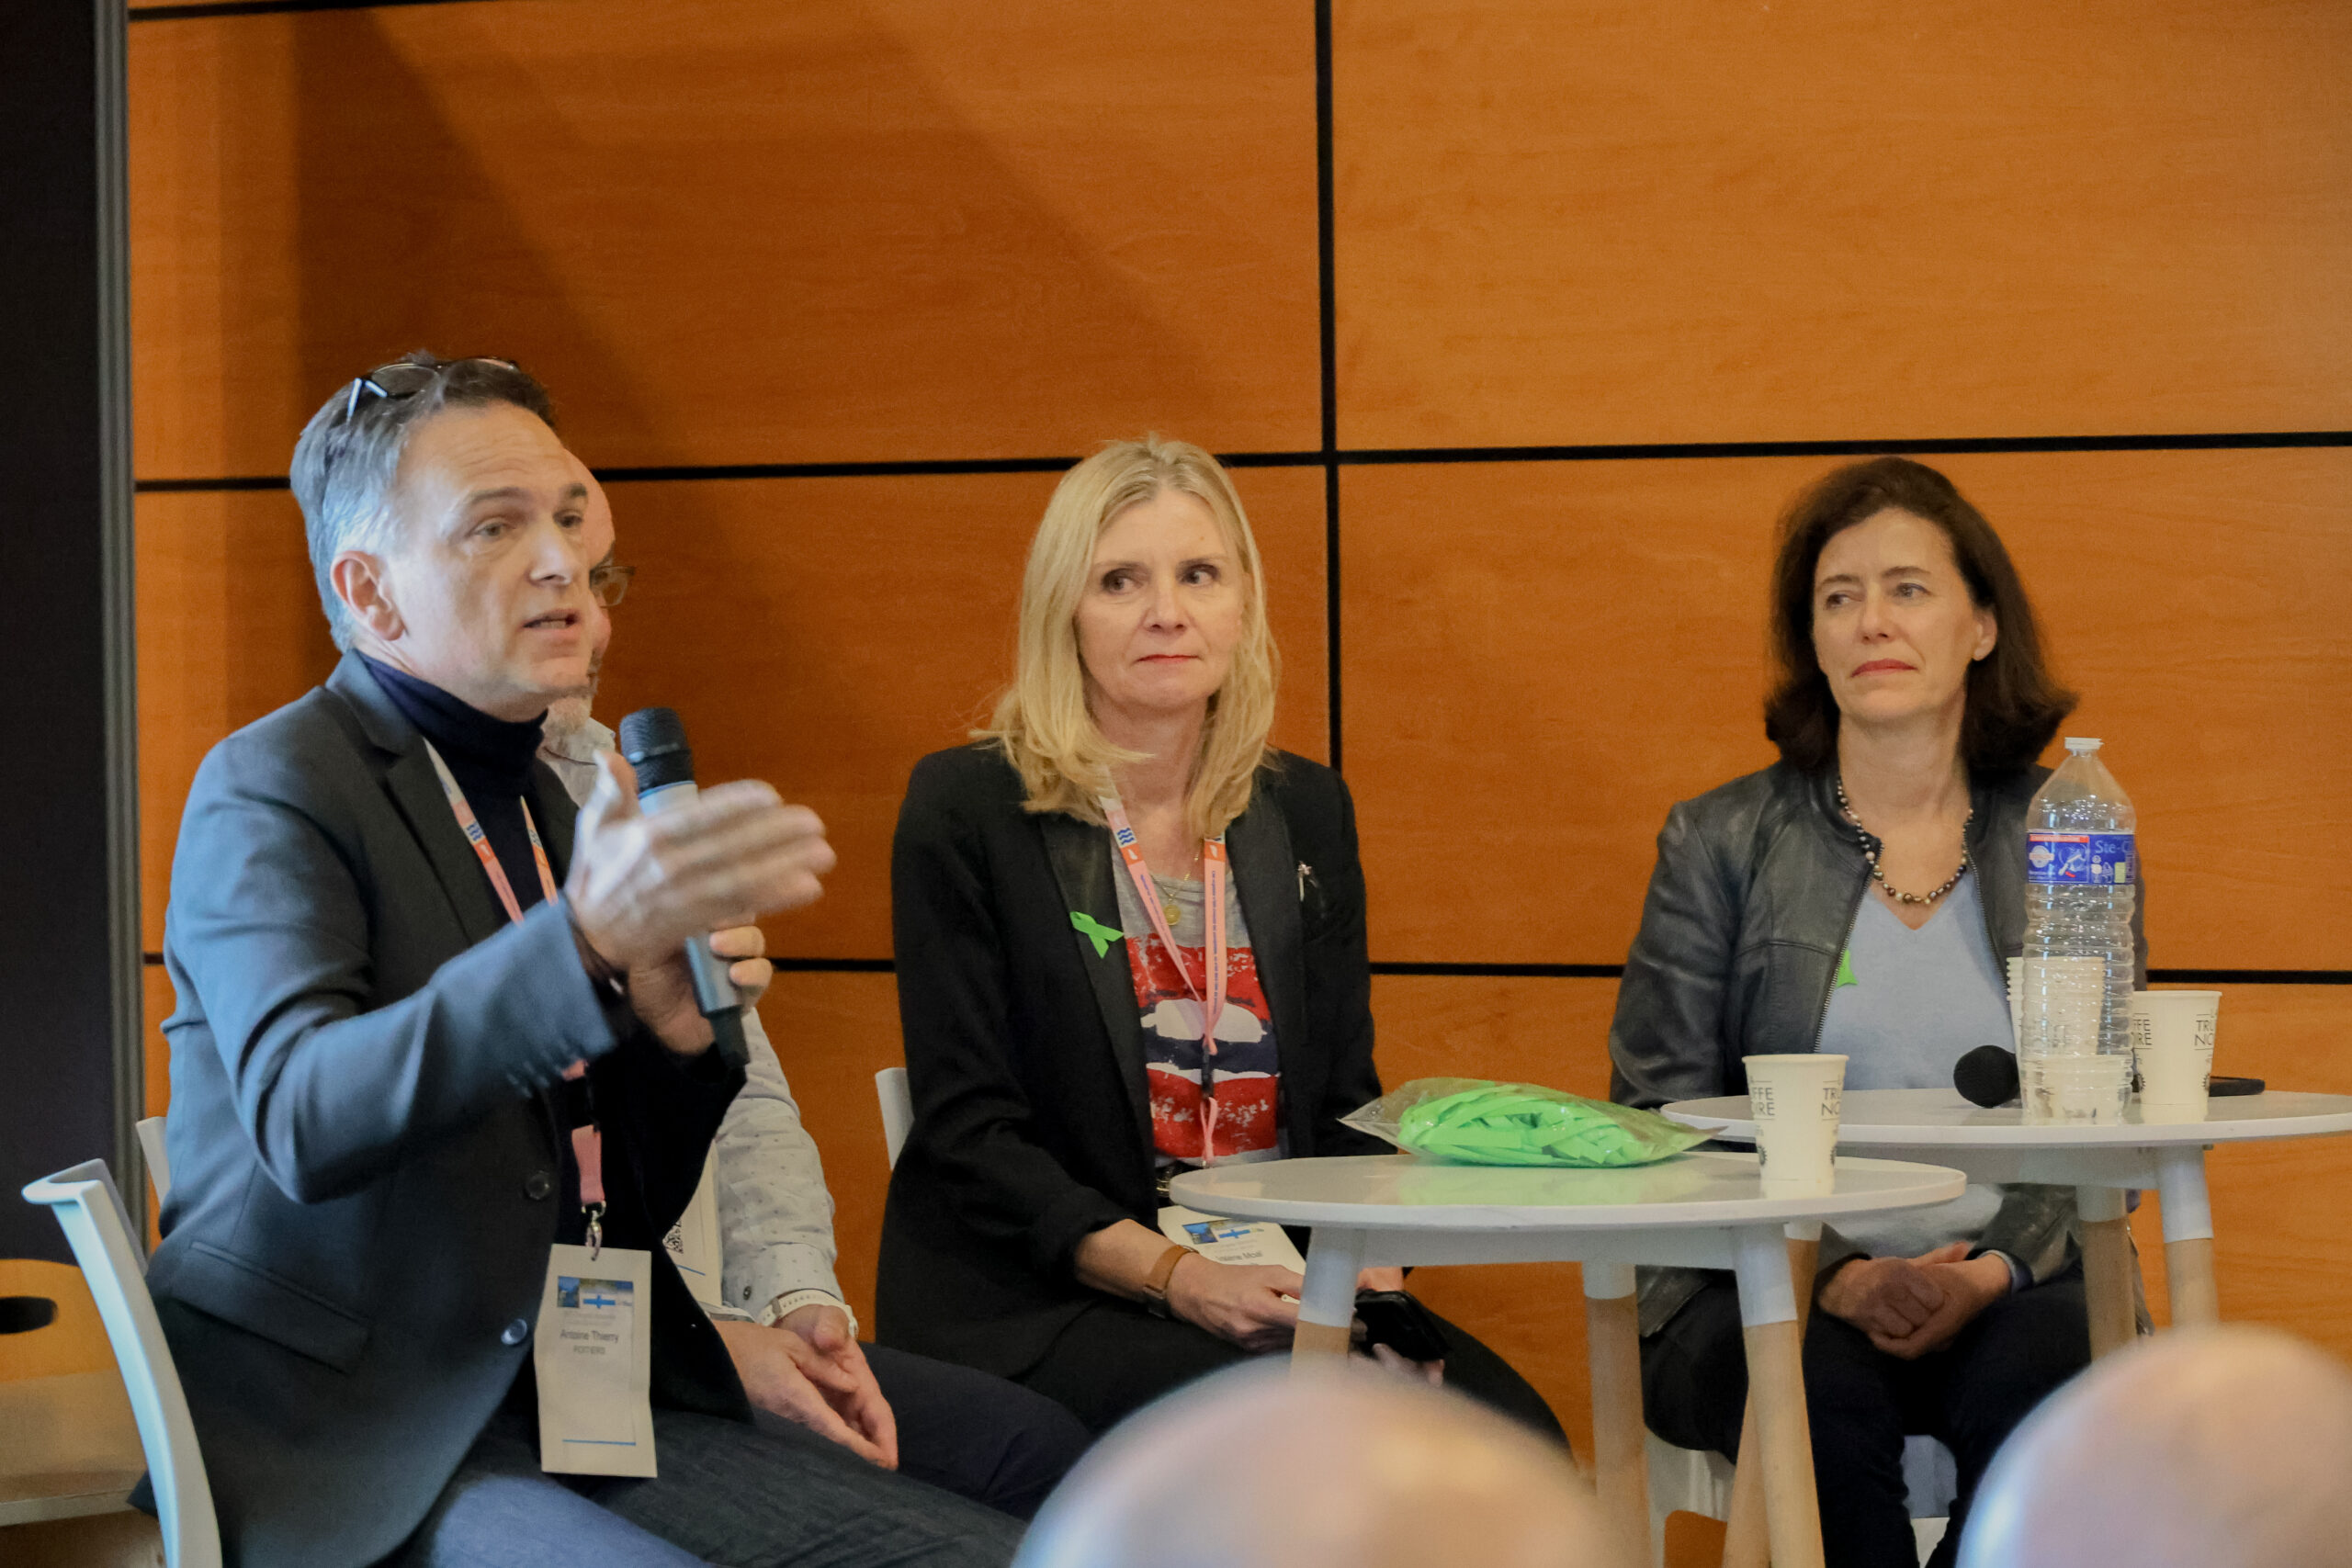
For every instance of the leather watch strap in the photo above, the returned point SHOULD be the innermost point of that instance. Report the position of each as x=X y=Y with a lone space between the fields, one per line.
x=1155 y=1284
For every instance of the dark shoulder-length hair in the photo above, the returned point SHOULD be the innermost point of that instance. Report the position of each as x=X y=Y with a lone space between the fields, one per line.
x=2015 y=704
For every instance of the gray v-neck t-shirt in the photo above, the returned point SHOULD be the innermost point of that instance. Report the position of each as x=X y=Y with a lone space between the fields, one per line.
x=1907 y=1006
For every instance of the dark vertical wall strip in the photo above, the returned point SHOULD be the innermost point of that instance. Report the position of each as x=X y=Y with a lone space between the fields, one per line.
x=1326 y=271
x=69 y=950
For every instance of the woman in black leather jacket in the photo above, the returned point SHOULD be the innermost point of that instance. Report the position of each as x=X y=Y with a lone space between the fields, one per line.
x=1862 y=896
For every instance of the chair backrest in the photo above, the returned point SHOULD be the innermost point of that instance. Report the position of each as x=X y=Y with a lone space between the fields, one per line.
x=898 y=1109
x=90 y=1212
x=159 y=1164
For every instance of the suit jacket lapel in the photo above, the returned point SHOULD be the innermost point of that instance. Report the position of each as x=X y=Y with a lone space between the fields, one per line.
x=1080 y=856
x=555 y=815
x=1265 y=876
x=416 y=791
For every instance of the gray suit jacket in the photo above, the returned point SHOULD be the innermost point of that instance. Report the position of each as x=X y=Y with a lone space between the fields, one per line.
x=1754 y=897
x=365 y=1154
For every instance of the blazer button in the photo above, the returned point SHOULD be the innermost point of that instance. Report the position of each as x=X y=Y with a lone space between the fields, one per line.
x=538 y=1185
x=517 y=1332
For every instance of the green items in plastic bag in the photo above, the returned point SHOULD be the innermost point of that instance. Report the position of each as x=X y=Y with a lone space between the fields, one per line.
x=1479 y=1121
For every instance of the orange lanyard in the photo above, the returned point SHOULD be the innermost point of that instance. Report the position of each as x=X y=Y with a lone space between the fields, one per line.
x=587 y=1142
x=1212 y=1005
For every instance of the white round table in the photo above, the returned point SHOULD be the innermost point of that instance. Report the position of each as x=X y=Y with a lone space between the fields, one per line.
x=1702 y=1209
x=2101 y=1163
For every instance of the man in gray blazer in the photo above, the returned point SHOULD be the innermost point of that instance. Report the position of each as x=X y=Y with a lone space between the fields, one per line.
x=380 y=991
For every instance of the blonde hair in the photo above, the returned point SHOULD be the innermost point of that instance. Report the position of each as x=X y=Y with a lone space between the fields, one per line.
x=1042 y=724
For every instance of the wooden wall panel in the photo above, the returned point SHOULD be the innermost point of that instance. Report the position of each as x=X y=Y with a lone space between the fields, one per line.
x=229 y=629
x=1684 y=223
x=824 y=634
x=1532 y=685
x=733 y=231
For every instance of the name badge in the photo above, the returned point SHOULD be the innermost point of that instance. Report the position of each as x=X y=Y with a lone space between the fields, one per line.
x=1230 y=1241
x=594 y=1356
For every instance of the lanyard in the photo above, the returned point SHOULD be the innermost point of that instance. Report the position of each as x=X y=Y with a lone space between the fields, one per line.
x=587 y=1141
x=1211 y=1005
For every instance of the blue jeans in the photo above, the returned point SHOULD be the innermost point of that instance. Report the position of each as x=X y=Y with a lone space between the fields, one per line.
x=728 y=1494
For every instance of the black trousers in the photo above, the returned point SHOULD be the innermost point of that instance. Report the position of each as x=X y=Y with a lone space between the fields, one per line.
x=1863 y=1402
x=1115 y=1357
x=976 y=1435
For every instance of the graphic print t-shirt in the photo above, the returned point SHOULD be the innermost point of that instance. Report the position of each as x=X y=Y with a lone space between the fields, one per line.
x=1248 y=1107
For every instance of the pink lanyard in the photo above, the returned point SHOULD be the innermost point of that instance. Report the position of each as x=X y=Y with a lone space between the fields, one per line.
x=1211 y=1005
x=587 y=1142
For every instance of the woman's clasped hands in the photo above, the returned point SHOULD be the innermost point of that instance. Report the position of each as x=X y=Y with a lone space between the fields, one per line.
x=1910 y=1306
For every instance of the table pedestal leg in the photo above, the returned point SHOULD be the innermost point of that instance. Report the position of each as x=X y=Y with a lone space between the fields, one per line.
x=1327 y=1312
x=1613 y=1346
x=2188 y=1238
x=1768 y=1317
x=1745 y=1545
x=2107 y=1267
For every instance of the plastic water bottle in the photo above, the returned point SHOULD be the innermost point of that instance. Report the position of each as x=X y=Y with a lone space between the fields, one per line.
x=2074 y=1009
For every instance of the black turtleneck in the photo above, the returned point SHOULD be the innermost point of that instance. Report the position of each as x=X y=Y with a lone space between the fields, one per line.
x=489 y=758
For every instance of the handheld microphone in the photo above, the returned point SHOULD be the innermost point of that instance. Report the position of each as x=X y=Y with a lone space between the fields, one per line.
x=1986 y=1076
x=654 y=742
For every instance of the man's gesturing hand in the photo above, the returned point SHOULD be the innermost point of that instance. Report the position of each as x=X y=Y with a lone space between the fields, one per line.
x=642 y=885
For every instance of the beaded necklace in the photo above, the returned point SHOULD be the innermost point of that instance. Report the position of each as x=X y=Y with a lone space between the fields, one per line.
x=1869 y=854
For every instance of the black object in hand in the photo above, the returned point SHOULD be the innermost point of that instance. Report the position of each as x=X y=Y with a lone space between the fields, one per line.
x=1986 y=1076
x=654 y=742
x=1405 y=1325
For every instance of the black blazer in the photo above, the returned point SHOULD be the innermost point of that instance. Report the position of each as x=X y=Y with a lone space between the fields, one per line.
x=1025 y=1046
x=363 y=1150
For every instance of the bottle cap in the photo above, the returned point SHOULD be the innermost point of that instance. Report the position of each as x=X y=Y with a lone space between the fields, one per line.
x=2082 y=745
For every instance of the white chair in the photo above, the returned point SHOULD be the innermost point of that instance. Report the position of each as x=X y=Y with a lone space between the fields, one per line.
x=99 y=1229
x=897 y=1109
x=1690 y=1481
x=159 y=1164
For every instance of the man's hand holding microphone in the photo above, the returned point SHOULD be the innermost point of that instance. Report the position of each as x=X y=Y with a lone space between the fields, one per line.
x=643 y=884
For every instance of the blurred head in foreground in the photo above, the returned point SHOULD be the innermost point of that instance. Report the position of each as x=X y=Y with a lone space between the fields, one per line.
x=2210 y=1447
x=1344 y=1467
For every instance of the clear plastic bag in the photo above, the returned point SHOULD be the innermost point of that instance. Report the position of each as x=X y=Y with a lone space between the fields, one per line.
x=1480 y=1121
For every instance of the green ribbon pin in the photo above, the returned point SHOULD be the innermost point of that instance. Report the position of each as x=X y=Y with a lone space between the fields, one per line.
x=1096 y=932
x=1845 y=971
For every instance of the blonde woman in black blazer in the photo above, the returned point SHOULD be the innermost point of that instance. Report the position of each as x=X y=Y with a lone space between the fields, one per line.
x=1049 y=1102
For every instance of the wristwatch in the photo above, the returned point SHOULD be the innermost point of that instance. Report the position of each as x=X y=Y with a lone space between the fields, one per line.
x=1155 y=1285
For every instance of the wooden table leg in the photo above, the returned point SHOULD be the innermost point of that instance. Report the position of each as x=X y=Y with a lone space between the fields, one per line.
x=2107 y=1269
x=2188 y=1238
x=1327 y=1312
x=1613 y=1348
x=1768 y=1317
x=1745 y=1542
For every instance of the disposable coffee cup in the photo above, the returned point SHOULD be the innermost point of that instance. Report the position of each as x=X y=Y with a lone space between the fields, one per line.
x=1795 y=1101
x=2172 y=1047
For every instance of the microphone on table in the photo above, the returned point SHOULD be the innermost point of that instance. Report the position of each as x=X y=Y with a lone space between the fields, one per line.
x=1986 y=1076
x=654 y=742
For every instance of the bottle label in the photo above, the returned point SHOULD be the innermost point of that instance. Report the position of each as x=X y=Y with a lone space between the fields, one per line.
x=2103 y=860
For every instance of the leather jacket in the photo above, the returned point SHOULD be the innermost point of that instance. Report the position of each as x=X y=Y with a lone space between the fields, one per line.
x=1754 y=897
